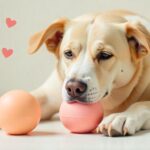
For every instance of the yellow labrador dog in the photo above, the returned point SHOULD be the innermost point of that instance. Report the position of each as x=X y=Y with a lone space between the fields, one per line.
x=101 y=56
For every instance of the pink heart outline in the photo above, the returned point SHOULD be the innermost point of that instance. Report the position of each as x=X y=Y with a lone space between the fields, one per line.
x=7 y=52
x=10 y=22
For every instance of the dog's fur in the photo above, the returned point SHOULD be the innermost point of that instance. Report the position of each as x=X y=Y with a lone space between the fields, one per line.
x=124 y=76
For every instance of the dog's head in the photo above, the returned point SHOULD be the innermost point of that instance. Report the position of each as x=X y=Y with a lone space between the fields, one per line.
x=94 y=55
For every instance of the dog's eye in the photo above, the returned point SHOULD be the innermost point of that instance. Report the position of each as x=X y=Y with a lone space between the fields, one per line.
x=68 y=54
x=103 y=55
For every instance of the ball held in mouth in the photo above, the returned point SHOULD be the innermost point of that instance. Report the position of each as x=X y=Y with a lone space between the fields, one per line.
x=79 y=117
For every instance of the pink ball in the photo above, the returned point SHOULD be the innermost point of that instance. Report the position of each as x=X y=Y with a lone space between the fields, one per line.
x=81 y=118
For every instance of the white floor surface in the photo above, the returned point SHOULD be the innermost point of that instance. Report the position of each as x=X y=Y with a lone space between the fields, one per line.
x=51 y=135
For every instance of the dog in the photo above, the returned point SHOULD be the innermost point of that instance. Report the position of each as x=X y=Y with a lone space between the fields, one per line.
x=100 y=57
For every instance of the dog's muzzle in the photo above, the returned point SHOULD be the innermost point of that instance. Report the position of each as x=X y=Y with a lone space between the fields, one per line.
x=75 y=89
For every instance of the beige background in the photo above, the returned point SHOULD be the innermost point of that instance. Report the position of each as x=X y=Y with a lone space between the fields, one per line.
x=29 y=71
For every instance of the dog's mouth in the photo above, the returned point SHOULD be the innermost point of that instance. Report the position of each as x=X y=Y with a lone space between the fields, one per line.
x=81 y=99
x=84 y=100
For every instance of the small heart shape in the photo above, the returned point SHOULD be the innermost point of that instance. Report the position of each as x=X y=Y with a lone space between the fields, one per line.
x=10 y=22
x=7 y=52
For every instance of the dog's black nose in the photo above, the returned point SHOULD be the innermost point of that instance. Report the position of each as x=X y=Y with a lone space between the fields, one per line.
x=75 y=88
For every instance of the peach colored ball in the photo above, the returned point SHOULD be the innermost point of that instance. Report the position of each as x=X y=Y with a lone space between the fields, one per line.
x=81 y=118
x=19 y=112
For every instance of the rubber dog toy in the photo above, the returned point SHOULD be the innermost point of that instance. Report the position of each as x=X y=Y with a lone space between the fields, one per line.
x=19 y=112
x=80 y=118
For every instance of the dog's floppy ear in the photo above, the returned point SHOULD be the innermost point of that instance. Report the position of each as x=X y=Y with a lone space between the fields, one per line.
x=51 y=36
x=139 y=40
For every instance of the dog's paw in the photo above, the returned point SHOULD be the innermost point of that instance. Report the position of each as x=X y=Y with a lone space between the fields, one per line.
x=119 y=124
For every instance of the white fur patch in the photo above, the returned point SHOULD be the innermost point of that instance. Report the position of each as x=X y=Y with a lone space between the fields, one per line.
x=83 y=70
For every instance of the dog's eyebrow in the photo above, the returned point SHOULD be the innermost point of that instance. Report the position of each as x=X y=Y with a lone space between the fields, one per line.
x=100 y=46
x=74 y=46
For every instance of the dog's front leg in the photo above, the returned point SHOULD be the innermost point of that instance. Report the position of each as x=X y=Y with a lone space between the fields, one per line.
x=49 y=96
x=135 y=118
